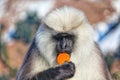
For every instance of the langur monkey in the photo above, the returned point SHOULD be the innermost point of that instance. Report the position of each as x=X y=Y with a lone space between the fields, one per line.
x=64 y=30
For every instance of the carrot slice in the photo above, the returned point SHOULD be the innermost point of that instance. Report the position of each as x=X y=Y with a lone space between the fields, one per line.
x=63 y=57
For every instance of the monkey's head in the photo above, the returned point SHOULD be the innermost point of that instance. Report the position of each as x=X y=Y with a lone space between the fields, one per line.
x=63 y=30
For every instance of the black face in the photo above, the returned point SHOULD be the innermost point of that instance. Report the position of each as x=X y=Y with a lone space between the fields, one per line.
x=65 y=42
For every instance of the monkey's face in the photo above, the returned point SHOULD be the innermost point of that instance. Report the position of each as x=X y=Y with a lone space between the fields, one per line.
x=51 y=42
x=64 y=42
x=65 y=30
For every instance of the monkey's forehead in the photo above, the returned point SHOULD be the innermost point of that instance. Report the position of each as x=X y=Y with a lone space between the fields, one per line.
x=65 y=19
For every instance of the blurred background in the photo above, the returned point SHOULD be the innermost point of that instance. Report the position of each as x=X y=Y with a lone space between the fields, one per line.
x=19 y=20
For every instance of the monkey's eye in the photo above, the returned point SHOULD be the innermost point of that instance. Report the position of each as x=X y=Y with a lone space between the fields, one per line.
x=60 y=36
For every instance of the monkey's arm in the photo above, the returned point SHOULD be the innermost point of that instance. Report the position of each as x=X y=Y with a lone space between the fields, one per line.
x=33 y=63
x=62 y=72
x=36 y=68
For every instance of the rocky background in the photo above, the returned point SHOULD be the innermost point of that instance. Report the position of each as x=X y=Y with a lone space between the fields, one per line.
x=19 y=20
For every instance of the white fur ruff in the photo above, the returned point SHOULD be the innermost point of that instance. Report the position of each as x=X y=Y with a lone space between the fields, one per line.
x=85 y=54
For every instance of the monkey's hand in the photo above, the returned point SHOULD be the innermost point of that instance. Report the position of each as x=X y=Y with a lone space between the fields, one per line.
x=62 y=72
x=66 y=70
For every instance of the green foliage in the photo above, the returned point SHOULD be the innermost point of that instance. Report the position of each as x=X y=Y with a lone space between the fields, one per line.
x=32 y=18
x=26 y=28
x=23 y=32
x=109 y=60
x=116 y=76
x=13 y=72
x=4 y=77
x=4 y=58
x=3 y=52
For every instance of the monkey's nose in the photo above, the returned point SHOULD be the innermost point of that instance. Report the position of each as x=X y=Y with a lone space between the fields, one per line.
x=64 y=45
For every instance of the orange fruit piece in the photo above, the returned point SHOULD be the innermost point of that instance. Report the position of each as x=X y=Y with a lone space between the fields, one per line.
x=63 y=57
